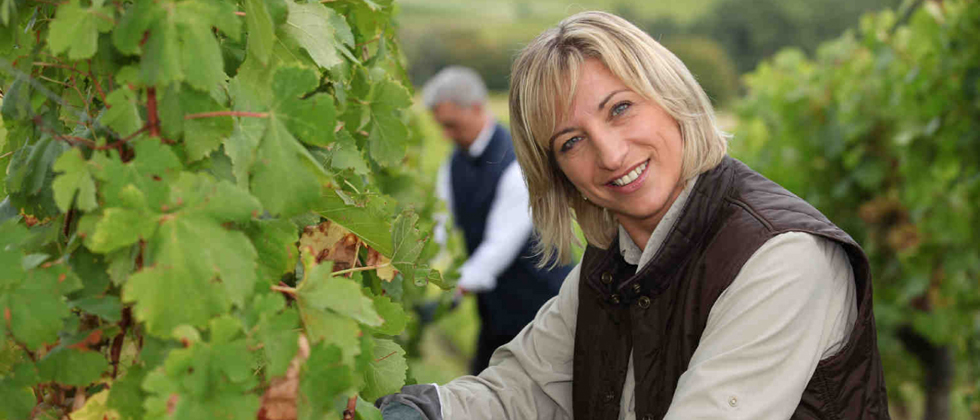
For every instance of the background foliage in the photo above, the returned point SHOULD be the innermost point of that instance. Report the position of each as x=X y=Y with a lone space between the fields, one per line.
x=881 y=132
x=210 y=209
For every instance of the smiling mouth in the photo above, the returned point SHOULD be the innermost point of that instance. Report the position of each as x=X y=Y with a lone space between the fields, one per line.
x=632 y=176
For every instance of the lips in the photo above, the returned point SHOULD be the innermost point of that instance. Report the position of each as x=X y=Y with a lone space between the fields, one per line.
x=631 y=176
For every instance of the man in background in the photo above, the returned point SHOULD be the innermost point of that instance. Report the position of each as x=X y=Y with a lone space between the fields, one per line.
x=482 y=185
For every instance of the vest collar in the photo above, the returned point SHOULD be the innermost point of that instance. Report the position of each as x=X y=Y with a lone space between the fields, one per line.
x=629 y=249
x=682 y=239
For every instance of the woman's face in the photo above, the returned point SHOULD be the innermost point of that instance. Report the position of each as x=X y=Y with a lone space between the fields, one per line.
x=622 y=151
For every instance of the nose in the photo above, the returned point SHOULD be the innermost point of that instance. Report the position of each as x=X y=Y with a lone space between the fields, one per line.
x=611 y=150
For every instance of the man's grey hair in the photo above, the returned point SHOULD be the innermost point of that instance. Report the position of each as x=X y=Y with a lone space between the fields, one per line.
x=459 y=85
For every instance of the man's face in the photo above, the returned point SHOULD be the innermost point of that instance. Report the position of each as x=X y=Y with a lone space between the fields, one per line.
x=460 y=123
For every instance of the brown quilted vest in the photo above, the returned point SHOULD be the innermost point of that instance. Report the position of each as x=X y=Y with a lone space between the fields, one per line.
x=660 y=311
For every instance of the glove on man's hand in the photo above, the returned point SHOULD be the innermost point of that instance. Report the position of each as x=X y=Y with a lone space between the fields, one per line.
x=415 y=402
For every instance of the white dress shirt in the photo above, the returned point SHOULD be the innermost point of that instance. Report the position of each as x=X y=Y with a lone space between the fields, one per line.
x=792 y=304
x=508 y=224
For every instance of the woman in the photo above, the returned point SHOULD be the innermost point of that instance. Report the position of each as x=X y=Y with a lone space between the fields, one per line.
x=707 y=291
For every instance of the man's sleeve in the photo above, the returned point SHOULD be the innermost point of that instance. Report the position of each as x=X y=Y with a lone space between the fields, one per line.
x=444 y=192
x=508 y=226
x=528 y=378
x=792 y=303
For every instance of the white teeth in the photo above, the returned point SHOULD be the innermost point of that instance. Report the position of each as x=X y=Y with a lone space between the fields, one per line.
x=630 y=177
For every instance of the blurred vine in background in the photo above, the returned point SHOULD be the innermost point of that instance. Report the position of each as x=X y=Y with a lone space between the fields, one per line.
x=209 y=209
x=881 y=132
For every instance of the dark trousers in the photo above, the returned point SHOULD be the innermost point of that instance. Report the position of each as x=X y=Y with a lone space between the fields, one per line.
x=485 y=347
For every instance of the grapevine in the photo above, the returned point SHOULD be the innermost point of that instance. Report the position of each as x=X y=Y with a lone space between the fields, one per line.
x=200 y=217
x=880 y=132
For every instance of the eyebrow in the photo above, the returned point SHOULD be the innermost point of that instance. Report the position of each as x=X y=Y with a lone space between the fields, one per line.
x=601 y=105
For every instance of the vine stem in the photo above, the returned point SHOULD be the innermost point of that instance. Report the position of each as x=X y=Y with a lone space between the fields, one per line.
x=284 y=289
x=227 y=114
x=351 y=408
x=151 y=110
x=351 y=270
x=98 y=87
x=131 y=136
x=6 y=154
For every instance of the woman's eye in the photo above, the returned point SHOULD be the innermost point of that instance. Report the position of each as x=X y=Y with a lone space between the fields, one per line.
x=567 y=145
x=620 y=108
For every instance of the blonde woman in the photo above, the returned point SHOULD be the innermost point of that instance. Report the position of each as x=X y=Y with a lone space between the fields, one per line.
x=706 y=291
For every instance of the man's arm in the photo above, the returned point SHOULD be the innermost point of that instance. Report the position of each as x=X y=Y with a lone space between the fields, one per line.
x=792 y=304
x=508 y=226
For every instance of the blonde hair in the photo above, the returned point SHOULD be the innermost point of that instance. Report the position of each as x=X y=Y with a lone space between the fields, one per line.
x=543 y=81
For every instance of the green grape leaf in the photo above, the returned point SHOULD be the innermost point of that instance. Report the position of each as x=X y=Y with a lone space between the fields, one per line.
x=261 y=30
x=190 y=250
x=311 y=120
x=387 y=134
x=320 y=289
x=366 y=410
x=316 y=29
x=31 y=166
x=241 y=145
x=285 y=177
x=126 y=396
x=181 y=45
x=106 y=236
x=324 y=377
x=386 y=373
x=142 y=184
x=201 y=135
x=394 y=316
x=187 y=254
x=92 y=269
x=72 y=367
x=106 y=307
x=75 y=177
x=122 y=115
x=76 y=29
x=135 y=22
x=275 y=240
x=203 y=381
x=121 y=264
x=16 y=396
x=407 y=243
x=279 y=337
x=330 y=328
x=344 y=154
x=31 y=300
x=368 y=219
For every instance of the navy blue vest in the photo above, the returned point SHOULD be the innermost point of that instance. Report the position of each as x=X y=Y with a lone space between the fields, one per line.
x=521 y=288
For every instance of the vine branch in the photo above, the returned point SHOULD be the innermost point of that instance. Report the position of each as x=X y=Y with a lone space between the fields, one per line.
x=351 y=408
x=151 y=110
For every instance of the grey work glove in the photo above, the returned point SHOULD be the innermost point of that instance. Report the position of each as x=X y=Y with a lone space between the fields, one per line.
x=415 y=402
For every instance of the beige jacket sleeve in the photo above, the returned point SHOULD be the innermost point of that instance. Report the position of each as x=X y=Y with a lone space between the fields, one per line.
x=528 y=378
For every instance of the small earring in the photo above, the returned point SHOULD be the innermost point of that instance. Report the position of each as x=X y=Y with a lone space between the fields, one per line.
x=584 y=197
